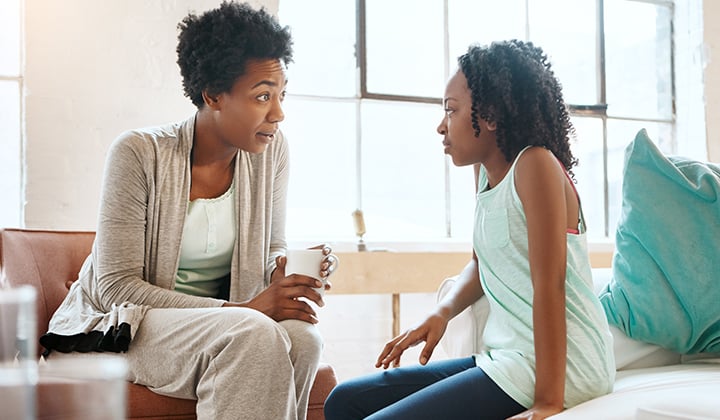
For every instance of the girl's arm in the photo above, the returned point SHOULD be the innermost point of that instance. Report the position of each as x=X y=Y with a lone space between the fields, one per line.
x=467 y=290
x=540 y=183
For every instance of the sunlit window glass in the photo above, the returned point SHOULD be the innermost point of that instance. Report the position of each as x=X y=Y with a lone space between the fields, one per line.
x=405 y=47
x=403 y=171
x=324 y=46
x=571 y=46
x=639 y=64
x=483 y=21
x=588 y=149
x=322 y=192
x=10 y=157
x=9 y=37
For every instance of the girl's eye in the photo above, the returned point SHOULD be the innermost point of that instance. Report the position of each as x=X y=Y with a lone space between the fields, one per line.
x=264 y=97
x=448 y=111
x=282 y=95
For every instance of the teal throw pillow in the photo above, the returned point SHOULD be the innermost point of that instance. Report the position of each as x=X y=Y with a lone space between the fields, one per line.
x=665 y=287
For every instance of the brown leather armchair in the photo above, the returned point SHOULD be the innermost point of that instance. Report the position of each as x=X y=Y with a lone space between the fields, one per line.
x=50 y=261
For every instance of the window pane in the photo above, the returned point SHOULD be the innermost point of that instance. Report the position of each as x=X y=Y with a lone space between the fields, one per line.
x=570 y=45
x=10 y=154
x=322 y=190
x=10 y=37
x=500 y=20
x=324 y=46
x=620 y=134
x=405 y=50
x=403 y=171
x=588 y=149
x=462 y=201
x=638 y=63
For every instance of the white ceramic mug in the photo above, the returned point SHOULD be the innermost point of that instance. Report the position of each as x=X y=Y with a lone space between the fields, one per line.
x=307 y=263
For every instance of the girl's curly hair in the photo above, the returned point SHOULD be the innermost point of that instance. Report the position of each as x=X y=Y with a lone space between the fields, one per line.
x=214 y=48
x=512 y=84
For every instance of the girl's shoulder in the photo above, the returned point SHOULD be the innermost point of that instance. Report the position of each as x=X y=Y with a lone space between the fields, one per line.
x=535 y=160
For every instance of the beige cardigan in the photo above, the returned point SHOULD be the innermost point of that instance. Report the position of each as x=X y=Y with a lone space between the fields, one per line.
x=136 y=252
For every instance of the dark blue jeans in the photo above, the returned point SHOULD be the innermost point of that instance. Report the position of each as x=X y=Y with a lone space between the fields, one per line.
x=443 y=390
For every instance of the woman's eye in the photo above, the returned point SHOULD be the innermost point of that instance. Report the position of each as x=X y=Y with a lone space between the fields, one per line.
x=282 y=95
x=448 y=111
x=264 y=97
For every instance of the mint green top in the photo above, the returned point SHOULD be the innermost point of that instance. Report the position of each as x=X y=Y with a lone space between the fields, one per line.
x=207 y=245
x=500 y=240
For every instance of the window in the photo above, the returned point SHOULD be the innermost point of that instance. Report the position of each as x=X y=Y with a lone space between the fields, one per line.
x=10 y=112
x=364 y=101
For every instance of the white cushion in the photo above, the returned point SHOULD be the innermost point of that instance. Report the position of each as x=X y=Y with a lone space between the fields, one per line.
x=688 y=391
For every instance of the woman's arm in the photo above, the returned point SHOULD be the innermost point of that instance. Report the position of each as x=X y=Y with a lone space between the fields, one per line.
x=540 y=183
x=120 y=246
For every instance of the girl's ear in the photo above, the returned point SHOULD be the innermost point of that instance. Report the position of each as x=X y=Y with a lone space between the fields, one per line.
x=489 y=125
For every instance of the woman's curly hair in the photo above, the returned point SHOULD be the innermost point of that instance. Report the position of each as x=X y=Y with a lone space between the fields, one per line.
x=214 y=48
x=512 y=84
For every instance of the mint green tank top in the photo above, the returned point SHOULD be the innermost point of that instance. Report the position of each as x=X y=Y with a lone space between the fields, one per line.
x=207 y=245
x=500 y=240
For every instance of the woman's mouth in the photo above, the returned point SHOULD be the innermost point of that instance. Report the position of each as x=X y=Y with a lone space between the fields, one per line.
x=266 y=138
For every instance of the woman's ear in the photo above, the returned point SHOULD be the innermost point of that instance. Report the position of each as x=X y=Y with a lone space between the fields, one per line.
x=210 y=100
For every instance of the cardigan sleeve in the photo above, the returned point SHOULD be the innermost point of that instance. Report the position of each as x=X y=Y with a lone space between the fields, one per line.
x=129 y=199
x=281 y=175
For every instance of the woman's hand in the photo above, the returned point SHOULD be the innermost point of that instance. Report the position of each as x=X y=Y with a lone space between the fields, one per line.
x=431 y=331
x=329 y=263
x=281 y=299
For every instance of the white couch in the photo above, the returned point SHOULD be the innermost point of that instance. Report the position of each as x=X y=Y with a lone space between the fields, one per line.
x=651 y=382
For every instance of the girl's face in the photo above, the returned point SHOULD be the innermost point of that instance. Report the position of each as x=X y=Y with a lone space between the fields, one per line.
x=456 y=126
x=248 y=116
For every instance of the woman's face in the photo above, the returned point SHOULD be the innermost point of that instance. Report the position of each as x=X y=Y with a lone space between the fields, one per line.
x=456 y=126
x=248 y=116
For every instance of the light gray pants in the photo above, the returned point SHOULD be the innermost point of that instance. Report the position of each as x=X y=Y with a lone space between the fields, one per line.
x=237 y=362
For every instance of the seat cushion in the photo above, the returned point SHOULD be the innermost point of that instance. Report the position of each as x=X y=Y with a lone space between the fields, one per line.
x=682 y=391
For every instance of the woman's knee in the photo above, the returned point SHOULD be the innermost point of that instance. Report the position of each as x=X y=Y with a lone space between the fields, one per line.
x=256 y=329
x=303 y=335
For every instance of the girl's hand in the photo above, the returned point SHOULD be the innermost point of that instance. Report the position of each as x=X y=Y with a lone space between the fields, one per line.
x=537 y=413
x=430 y=331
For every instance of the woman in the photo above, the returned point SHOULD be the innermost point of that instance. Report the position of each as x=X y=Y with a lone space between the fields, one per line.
x=187 y=273
x=547 y=343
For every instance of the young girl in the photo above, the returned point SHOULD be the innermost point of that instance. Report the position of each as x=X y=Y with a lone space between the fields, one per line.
x=547 y=343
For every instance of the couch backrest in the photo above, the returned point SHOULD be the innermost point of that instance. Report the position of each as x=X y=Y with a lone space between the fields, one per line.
x=49 y=260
